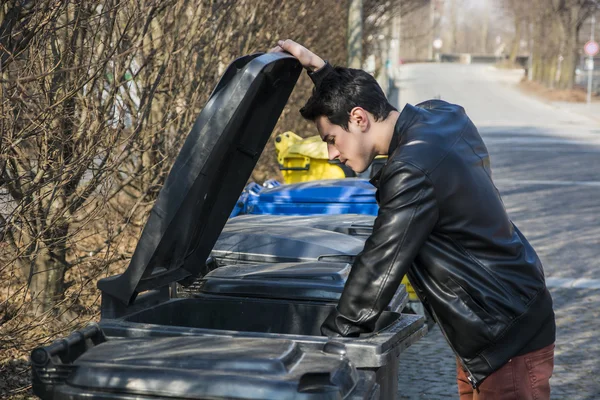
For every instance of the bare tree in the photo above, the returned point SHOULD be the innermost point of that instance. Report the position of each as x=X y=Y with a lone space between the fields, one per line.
x=378 y=17
x=96 y=99
x=554 y=26
x=518 y=12
x=571 y=14
x=58 y=142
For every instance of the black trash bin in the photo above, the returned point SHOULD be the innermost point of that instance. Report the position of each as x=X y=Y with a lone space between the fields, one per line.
x=251 y=243
x=189 y=214
x=279 y=238
x=282 y=319
x=88 y=365
x=299 y=241
x=358 y=225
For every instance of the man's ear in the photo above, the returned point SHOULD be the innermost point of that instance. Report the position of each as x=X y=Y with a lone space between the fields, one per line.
x=360 y=117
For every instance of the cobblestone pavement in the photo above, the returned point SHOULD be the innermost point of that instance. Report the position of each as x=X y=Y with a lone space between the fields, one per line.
x=545 y=162
x=427 y=369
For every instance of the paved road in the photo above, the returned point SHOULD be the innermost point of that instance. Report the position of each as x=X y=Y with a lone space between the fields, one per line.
x=546 y=163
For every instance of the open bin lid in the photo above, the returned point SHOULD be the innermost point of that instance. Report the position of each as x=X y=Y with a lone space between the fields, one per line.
x=208 y=175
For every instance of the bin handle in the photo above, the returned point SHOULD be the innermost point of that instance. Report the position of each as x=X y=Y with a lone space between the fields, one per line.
x=282 y=168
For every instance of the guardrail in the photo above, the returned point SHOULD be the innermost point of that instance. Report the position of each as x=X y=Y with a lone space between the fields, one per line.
x=470 y=58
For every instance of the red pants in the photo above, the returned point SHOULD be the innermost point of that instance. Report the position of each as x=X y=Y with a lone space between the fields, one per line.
x=525 y=377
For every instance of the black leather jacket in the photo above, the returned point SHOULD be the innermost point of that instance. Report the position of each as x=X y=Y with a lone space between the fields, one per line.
x=442 y=221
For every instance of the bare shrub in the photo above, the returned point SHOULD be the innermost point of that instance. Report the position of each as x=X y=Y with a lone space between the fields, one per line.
x=96 y=98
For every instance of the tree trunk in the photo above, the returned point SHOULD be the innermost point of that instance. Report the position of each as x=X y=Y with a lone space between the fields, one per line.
x=454 y=26
x=551 y=72
x=47 y=279
x=536 y=66
x=567 y=74
x=537 y=50
x=571 y=32
x=485 y=28
x=514 y=51
x=47 y=254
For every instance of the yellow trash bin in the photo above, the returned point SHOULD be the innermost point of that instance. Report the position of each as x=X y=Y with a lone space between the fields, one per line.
x=302 y=160
x=412 y=295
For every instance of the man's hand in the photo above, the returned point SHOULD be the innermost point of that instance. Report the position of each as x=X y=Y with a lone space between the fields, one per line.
x=307 y=58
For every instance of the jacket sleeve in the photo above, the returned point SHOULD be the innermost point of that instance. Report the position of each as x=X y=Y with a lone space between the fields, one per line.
x=318 y=75
x=407 y=214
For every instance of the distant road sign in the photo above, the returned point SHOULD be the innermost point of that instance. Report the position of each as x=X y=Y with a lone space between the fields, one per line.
x=591 y=48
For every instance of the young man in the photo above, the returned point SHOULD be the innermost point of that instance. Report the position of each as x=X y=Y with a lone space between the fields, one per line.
x=442 y=222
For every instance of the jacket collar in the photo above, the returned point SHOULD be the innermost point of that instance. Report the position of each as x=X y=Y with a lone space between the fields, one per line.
x=404 y=120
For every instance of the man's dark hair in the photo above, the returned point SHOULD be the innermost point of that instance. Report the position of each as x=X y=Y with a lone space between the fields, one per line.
x=338 y=93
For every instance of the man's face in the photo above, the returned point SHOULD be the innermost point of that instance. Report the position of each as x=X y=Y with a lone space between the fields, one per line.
x=351 y=147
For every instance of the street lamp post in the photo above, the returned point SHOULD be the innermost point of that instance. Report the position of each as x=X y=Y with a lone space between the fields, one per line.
x=355 y=11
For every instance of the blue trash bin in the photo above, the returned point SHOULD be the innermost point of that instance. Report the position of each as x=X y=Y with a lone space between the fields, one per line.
x=329 y=196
